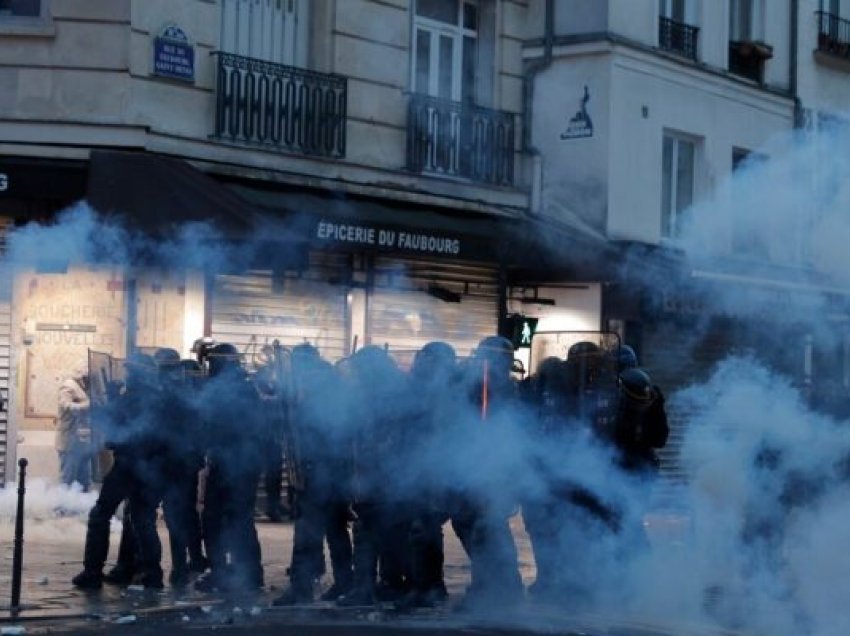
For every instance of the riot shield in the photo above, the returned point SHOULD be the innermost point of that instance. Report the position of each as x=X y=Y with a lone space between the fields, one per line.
x=106 y=375
x=283 y=406
x=590 y=372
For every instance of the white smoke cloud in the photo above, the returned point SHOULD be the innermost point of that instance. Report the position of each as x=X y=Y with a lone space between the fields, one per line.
x=767 y=473
x=762 y=545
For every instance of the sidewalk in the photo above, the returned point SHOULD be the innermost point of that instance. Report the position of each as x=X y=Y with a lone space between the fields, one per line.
x=53 y=551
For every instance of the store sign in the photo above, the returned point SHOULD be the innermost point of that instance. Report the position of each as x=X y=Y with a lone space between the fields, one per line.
x=381 y=238
x=173 y=54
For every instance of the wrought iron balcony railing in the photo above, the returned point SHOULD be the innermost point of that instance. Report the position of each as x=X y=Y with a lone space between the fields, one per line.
x=285 y=107
x=833 y=34
x=678 y=37
x=460 y=140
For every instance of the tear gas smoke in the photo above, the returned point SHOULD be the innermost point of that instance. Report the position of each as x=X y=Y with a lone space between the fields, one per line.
x=767 y=466
x=766 y=473
x=53 y=512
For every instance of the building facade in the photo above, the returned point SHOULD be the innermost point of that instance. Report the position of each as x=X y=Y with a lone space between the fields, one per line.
x=404 y=170
x=375 y=148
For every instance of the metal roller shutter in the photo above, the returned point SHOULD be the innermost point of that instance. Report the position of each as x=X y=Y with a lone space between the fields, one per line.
x=675 y=358
x=256 y=308
x=404 y=316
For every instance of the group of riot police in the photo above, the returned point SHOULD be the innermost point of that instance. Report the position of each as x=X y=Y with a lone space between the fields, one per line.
x=378 y=460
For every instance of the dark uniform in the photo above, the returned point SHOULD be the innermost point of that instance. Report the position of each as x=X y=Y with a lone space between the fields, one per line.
x=181 y=425
x=379 y=412
x=229 y=407
x=432 y=376
x=489 y=498
x=317 y=443
x=130 y=430
x=575 y=401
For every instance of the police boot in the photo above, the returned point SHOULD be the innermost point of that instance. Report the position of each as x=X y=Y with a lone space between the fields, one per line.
x=121 y=574
x=88 y=580
x=335 y=591
x=357 y=597
x=294 y=595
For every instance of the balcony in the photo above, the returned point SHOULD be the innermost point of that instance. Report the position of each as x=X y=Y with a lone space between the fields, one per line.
x=833 y=34
x=282 y=107
x=460 y=140
x=678 y=37
x=747 y=58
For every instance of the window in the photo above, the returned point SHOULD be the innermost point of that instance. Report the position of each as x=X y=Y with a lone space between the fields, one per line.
x=745 y=20
x=445 y=56
x=270 y=30
x=677 y=181
x=20 y=8
x=832 y=7
x=675 y=10
x=747 y=235
x=676 y=27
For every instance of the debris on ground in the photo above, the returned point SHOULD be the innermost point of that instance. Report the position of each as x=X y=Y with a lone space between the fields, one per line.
x=125 y=620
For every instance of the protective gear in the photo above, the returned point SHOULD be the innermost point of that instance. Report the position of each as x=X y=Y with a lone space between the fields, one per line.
x=201 y=347
x=223 y=357
x=305 y=352
x=626 y=358
x=636 y=385
x=583 y=349
x=433 y=360
x=166 y=356
x=640 y=424
x=498 y=352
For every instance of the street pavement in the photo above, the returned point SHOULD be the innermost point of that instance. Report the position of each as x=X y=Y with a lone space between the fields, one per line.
x=49 y=604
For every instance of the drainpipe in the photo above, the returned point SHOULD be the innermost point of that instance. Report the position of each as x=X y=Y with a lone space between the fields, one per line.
x=531 y=71
x=793 y=70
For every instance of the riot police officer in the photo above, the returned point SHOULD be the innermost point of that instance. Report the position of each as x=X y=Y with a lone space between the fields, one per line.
x=379 y=412
x=229 y=408
x=490 y=498
x=129 y=426
x=316 y=443
x=433 y=375
x=181 y=426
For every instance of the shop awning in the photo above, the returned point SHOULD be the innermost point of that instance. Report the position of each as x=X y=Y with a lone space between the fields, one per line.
x=154 y=194
x=336 y=221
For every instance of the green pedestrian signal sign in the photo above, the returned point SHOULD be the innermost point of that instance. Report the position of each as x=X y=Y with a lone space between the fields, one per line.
x=522 y=330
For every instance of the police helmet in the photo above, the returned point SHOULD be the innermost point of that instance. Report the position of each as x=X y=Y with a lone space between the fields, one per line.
x=305 y=352
x=626 y=358
x=166 y=357
x=636 y=385
x=433 y=359
x=223 y=357
x=550 y=368
x=583 y=349
x=202 y=346
x=496 y=349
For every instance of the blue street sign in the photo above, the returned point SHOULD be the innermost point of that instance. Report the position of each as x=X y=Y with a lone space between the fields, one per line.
x=174 y=55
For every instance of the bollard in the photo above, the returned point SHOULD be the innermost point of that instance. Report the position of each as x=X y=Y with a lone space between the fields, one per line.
x=18 y=555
